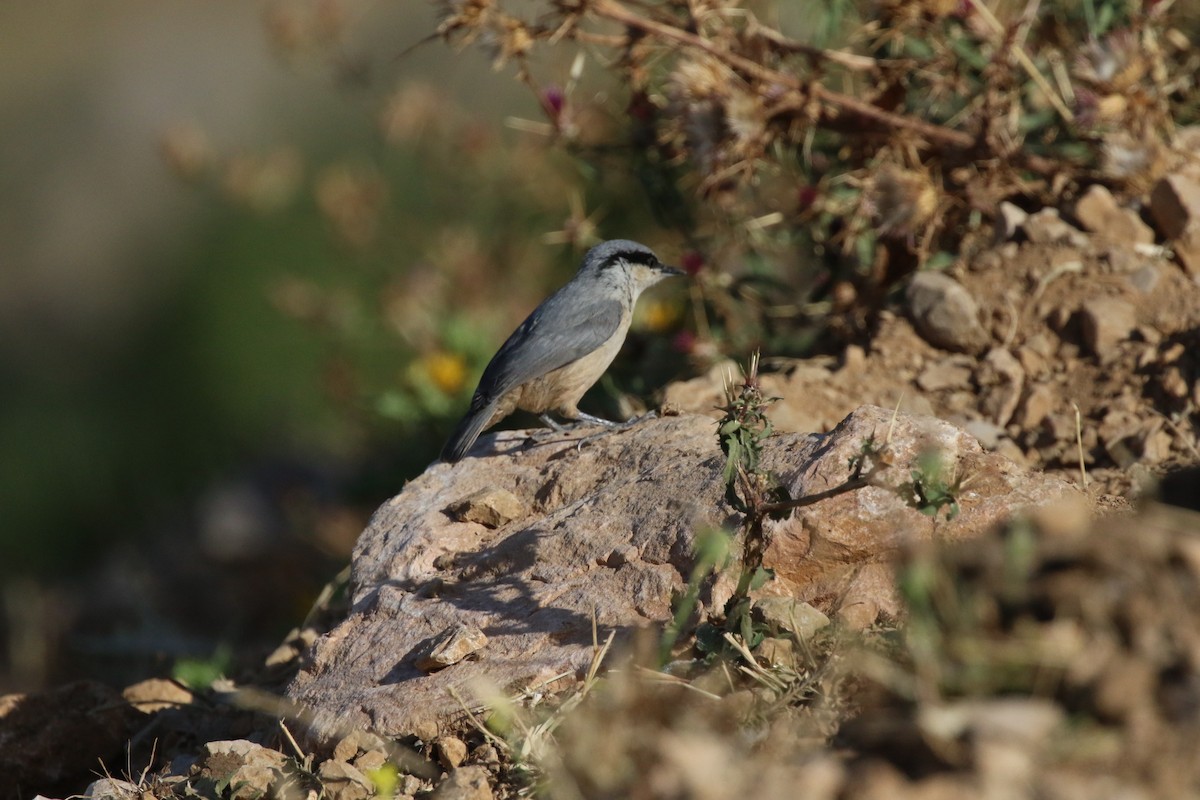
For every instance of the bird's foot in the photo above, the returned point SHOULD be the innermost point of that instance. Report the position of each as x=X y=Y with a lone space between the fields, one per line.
x=615 y=427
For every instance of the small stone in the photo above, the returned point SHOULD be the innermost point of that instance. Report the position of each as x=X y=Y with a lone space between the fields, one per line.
x=859 y=615
x=944 y=313
x=370 y=761
x=1009 y=221
x=156 y=694
x=340 y=781
x=949 y=373
x=1187 y=250
x=1155 y=443
x=1034 y=364
x=1099 y=213
x=112 y=789
x=485 y=754
x=345 y=750
x=1107 y=321
x=355 y=742
x=1047 y=227
x=465 y=783
x=453 y=646
x=411 y=785
x=1144 y=279
x=1175 y=204
x=424 y=729
x=249 y=767
x=1060 y=426
x=451 y=751
x=1038 y=405
x=1001 y=380
x=491 y=507
x=987 y=261
x=777 y=652
x=791 y=615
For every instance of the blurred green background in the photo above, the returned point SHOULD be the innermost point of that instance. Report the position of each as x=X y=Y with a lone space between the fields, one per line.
x=252 y=258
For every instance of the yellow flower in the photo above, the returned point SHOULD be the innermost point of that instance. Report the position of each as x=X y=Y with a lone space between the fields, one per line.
x=659 y=315
x=446 y=371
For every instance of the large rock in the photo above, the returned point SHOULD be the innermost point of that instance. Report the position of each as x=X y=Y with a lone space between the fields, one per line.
x=608 y=536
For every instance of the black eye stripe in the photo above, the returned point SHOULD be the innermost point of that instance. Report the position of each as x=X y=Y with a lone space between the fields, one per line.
x=632 y=256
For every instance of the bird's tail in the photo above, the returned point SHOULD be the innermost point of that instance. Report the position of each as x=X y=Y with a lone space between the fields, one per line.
x=467 y=432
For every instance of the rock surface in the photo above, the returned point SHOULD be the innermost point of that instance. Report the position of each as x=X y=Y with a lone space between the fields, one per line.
x=608 y=536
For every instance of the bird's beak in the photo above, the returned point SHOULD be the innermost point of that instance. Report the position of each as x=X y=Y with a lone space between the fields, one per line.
x=669 y=271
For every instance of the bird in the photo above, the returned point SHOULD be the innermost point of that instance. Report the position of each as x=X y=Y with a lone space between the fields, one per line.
x=565 y=345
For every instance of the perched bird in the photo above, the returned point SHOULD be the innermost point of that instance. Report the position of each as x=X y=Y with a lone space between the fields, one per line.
x=565 y=345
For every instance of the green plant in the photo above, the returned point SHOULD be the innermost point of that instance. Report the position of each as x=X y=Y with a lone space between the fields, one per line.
x=933 y=486
x=201 y=673
x=712 y=553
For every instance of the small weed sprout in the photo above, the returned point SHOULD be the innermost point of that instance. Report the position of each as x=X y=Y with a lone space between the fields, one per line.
x=754 y=492
x=931 y=488
x=868 y=452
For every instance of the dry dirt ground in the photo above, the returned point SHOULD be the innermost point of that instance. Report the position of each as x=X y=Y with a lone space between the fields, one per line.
x=1084 y=355
x=1057 y=658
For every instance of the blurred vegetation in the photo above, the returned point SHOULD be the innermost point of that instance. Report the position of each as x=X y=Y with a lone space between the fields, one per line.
x=798 y=159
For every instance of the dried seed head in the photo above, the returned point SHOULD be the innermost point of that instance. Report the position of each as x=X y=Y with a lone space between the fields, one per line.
x=701 y=79
x=1114 y=63
x=902 y=200
x=746 y=120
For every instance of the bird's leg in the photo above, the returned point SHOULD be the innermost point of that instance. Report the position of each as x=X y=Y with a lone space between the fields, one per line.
x=552 y=423
x=588 y=418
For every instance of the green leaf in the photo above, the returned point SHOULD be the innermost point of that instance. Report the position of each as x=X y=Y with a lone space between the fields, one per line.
x=760 y=577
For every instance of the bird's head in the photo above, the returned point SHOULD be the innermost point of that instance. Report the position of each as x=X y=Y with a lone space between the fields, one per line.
x=629 y=262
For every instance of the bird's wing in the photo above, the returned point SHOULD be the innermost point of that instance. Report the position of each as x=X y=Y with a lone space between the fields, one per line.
x=554 y=335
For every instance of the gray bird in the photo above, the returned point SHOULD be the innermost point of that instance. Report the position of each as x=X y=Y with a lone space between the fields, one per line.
x=565 y=345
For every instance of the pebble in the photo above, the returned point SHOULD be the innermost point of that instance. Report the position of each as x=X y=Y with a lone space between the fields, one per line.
x=1001 y=380
x=1097 y=210
x=1010 y=219
x=465 y=783
x=944 y=313
x=1038 y=405
x=949 y=373
x=1107 y=321
x=1047 y=227
x=1175 y=203
x=451 y=751
x=491 y=507
x=454 y=645
x=340 y=781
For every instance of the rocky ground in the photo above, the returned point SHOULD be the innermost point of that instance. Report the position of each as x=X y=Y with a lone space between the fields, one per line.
x=1056 y=655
